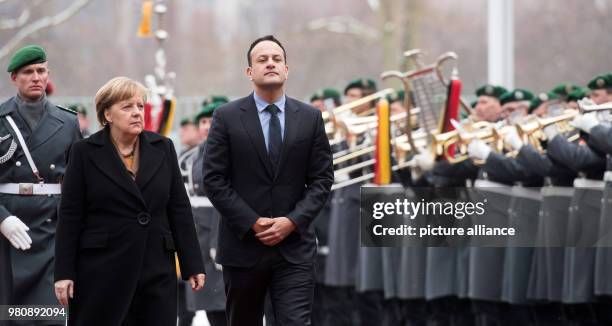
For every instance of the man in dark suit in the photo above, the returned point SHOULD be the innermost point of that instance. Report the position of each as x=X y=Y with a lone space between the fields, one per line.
x=268 y=171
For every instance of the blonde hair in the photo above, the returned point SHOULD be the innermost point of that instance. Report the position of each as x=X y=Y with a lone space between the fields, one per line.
x=116 y=90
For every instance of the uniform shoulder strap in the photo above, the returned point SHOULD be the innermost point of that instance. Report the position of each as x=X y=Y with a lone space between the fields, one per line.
x=24 y=147
x=66 y=109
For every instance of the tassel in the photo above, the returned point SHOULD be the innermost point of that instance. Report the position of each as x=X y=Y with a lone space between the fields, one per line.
x=148 y=117
x=145 y=30
x=169 y=107
x=452 y=107
x=382 y=165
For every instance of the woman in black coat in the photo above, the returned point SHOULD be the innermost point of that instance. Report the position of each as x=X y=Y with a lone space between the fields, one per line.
x=124 y=212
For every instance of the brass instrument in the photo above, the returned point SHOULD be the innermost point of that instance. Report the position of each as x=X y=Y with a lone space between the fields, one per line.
x=488 y=132
x=531 y=131
x=333 y=117
x=430 y=91
x=589 y=106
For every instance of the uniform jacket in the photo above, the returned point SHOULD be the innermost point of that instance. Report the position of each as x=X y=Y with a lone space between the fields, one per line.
x=31 y=271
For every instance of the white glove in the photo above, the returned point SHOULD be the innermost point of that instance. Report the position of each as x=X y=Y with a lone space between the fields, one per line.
x=477 y=149
x=550 y=131
x=213 y=254
x=585 y=122
x=512 y=138
x=424 y=161
x=16 y=232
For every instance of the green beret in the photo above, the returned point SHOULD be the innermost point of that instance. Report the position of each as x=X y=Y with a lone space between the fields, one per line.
x=515 y=96
x=219 y=98
x=541 y=98
x=79 y=108
x=331 y=93
x=316 y=96
x=27 y=55
x=491 y=90
x=563 y=90
x=601 y=82
x=364 y=84
x=398 y=95
x=186 y=121
x=214 y=98
x=207 y=111
x=578 y=94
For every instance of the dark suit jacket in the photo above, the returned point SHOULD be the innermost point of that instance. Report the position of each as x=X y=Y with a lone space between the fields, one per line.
x=240 y=181
x=116 y=238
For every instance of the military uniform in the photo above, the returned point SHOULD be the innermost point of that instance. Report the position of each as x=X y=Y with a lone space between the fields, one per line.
x=447 y=267
x=207 y=219
x=579 y=264
x=31 y=271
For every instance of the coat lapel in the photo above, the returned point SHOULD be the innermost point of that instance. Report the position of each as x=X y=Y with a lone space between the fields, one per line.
x=290 y=132
x=252 y=125
x=151 y=159
x=49 y=124
x=108 y=162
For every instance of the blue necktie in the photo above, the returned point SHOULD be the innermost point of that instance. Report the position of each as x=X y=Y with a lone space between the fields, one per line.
x=275 y=139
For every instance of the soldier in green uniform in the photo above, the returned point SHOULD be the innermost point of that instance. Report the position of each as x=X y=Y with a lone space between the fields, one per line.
x=35 y=136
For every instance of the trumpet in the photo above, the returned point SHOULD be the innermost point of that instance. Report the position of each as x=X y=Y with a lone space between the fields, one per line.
x=459 y=138
x=401 y=147
x=350 y=106
x=332 y=118
x=587 y=106
x=531 y=130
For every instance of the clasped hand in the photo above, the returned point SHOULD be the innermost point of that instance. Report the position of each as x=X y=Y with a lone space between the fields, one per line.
x=271 y=231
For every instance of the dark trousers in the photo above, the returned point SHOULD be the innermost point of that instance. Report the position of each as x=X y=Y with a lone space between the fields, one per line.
x=370 y=306
x=342 y=306
x=487 y=313
x=216 y=318
x=185 y=317
x=291 y=289
x=549 y=314
x=322 y=305
x=411 y=312
x=583 y=314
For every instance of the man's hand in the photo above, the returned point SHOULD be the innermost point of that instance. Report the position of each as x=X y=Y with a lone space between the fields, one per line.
x=262 y=224
x=197 y=281
x=278 y=231
x=63 y=290
x=16 y=232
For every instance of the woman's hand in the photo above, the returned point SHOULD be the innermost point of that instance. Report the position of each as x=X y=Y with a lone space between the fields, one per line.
x=63 y=289
x=197 y=281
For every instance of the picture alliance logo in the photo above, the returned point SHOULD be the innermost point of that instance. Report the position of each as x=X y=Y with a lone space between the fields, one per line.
x=412 y=209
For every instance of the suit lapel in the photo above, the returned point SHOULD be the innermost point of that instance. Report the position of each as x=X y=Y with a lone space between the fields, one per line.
x=49 y=124
x=108 y=162
x=151 y=160
x=290 y=131
x=252 y=125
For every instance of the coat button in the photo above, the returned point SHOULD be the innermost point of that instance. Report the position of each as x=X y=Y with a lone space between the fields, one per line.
x=18 y=163
x=52 y=166
x=143 y=218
